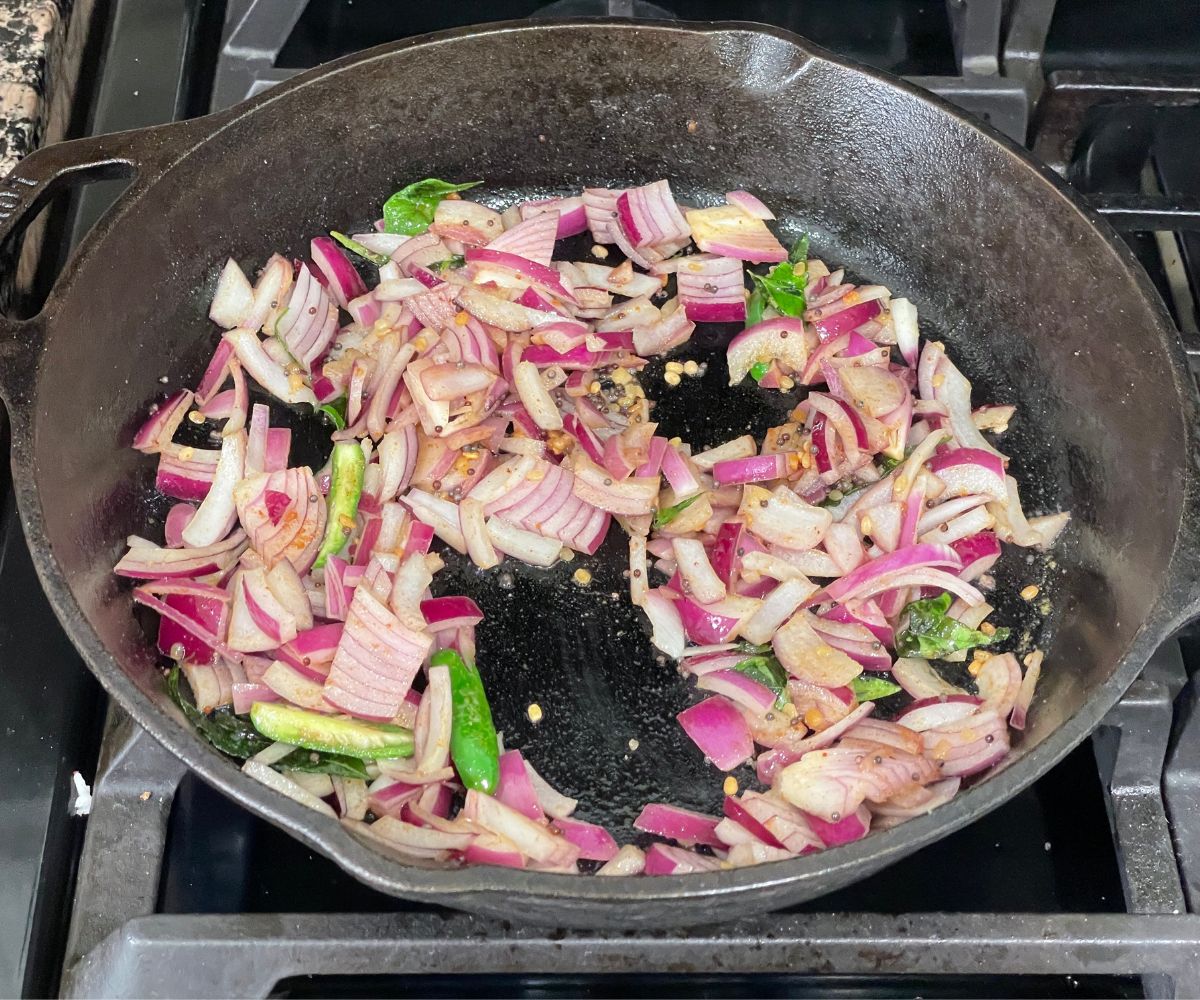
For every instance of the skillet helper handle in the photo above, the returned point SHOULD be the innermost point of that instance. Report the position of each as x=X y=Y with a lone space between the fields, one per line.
x=142 y=155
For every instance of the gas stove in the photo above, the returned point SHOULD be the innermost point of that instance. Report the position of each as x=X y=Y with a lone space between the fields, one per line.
x=1087 y=884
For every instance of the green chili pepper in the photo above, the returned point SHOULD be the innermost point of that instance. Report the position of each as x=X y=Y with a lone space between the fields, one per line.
x=473 y=745
x=345 y=490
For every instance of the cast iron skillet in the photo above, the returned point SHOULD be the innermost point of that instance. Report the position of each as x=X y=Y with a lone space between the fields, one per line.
x=1038 y=301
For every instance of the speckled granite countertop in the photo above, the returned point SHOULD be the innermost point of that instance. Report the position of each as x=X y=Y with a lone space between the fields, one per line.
x=28 y=39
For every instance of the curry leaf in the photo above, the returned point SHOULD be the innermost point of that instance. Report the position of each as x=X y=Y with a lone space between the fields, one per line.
x=755 y=307
x=317 y=762
x=783 y=288
x=229 y=733
x=799 y=254
x=410 y=210
x=932 y=634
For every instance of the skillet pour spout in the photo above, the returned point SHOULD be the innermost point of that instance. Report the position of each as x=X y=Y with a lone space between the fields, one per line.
x=1036 y=299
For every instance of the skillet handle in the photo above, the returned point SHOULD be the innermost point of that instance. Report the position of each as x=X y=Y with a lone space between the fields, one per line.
x=141 y=155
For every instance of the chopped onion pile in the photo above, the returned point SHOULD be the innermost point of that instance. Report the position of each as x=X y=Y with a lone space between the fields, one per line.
x=493 y=393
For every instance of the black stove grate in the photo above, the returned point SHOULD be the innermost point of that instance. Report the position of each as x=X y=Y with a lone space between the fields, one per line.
x=175 y=895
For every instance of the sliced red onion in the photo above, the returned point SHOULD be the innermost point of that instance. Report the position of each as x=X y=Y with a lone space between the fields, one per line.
x=148 y=561
x=177 y=519
x=524 y=545
x=443 y=613
x=535 y=398
x=843 y=321
x=741 y=447
x=978 y=554
x=484 y=260
x=206 y=606
x=376 y=660
x=904 y=323
x=533 y=238
x=594 y=842
x=572 y=217
x=754 y=469
x=804 y=654
x=234 y=297
x=872 y=390
x=967 y=746
x=676 y=823
x=776 y=609
x=952 y=390
x=515 y=789
x=309 y=324
x=472 y=523
x=748 y=203
x=884 y=524
x=928 y=713
x=1012 y=525
x=846 y=830
x=596 y=486
x=622 y=280
x=872 y=733
x=648 y=215
x=185 y=473
x=731 y=231
x=787 y=825
x=270 y=292
x=160 y=427
x=780 y=339
x=285 y=786
x=1033 y=671
x=312 y=651
x=843 y=542
x=343 y=280
x=672 y=328
x=864 y=613
x=718 y=729
x=637 y=313
x=738 y=688
x=439 y=514
x=265 y=371
x=859 y=583
x=217 y=514
x=663 y=859
x=712 y=623
x=919 y=679
x=668 y=634
x=214 y=374
x=530 y=838
x=488 y=849
x=783 y=519
x=293 y=533
x=970 y=471
x=701 y=582
x=736 y=812
x=999 y=683
x=466 y=221
x=245 y=635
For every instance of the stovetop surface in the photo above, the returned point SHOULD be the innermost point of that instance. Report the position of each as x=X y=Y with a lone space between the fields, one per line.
x=1048 y=850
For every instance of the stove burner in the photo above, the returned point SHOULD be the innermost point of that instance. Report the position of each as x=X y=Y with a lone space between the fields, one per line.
x=603 y=8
